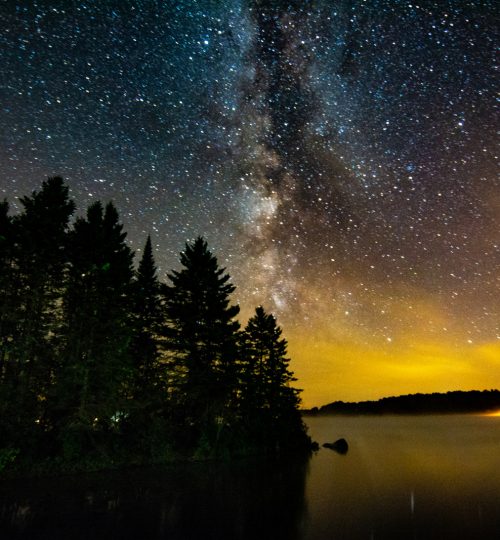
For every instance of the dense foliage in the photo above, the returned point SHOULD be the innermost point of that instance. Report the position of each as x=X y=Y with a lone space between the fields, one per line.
x=102 y=364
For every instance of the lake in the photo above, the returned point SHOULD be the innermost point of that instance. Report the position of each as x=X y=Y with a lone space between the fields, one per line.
x=406 y=477
x=416 y=477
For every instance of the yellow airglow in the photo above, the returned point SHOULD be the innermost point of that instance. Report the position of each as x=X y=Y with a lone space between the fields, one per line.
x=349 y=371
x=352 y=342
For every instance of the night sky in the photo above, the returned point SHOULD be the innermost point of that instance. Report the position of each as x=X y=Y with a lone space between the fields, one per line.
x=338 y=156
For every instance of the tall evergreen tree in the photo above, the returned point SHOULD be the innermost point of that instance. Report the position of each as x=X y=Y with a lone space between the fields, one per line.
x=269 y=403
x=37 y=262
x=201 y=335
x=8 y=301
x=148 y=386
x=40 y=256
x=6 y=284
x=147 y=313
x=97 y=330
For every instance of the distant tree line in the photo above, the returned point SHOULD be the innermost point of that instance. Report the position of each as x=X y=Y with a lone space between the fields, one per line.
x=473 y=401
x=102 y=364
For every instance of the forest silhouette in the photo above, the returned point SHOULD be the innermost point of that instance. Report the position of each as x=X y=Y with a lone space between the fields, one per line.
x=455 y=402
x=102 y=364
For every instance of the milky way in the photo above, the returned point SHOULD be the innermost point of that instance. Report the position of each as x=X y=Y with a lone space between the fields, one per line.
x=339 y=157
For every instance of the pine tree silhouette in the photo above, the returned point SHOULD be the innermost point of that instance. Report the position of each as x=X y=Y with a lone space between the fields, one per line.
x=148 y=421
x=38 y=261
x=269 y=403
x=201 y=334
x=95 y=338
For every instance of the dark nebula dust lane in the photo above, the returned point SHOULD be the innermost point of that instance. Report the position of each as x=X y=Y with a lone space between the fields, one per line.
x=340 y=157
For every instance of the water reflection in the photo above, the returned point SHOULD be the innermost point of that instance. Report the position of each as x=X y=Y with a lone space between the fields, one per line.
x=406 y=477
x=403 y=477
x=250 y=500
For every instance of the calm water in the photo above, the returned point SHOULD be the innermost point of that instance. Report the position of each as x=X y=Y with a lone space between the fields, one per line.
x=403 y=477
x=406 y=477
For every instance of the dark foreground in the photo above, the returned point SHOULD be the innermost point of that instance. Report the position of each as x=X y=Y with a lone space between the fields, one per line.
x=402 y=477
x=245 y=500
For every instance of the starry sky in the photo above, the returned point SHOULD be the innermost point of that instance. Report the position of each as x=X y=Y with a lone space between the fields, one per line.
x=338 y=156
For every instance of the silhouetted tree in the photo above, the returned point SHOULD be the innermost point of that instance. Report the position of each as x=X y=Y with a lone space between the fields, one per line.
x=6 y=284
x=269 y=404
x=148 y=411
x=8 y=302
x=37 y=262
x=147 y=317
x=201 y=336
x=95 y=338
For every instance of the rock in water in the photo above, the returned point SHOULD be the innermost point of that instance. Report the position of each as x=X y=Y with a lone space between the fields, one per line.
x=340 y=446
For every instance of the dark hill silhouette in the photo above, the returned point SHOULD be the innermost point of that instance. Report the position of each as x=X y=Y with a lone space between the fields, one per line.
x=474 y=401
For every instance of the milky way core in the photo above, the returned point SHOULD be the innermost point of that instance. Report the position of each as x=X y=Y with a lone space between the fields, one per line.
x=338 y=156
